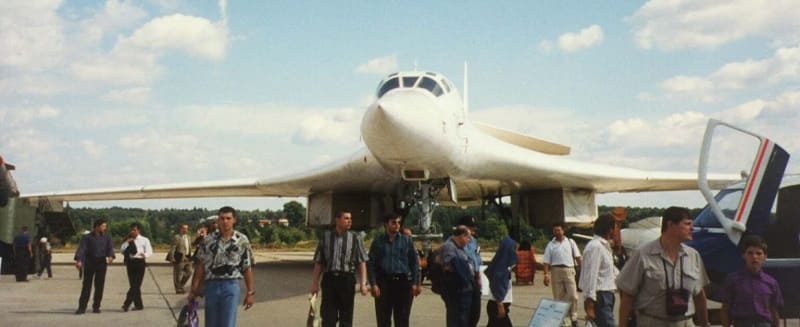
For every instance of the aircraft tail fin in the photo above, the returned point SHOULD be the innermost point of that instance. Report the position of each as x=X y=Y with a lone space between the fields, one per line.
x=760 y=191
x=523 y=141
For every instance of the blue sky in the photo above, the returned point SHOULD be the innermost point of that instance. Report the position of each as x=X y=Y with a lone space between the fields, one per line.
x=115 y=93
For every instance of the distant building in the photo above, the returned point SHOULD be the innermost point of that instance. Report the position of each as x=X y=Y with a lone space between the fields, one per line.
x=269 y=222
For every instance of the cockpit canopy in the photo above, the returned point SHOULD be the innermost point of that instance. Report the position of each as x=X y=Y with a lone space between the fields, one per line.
x=433 y=82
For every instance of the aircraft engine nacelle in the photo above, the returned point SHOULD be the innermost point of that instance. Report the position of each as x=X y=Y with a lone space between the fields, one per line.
x=367 y=208
x=542 y=208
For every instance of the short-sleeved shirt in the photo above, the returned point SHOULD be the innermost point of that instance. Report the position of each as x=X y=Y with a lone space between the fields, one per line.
x=22 y=239
x=645 y=279
x=751 y=295
x=225 y=259
x=561 y=253
x=340 y=253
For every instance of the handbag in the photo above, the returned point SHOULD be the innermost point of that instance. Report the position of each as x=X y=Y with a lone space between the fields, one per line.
x=188 y=316
x=314 y=319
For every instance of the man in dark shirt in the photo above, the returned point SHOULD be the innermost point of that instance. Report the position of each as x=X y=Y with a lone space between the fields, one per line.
x=338 y=254
x=393 y=270
x=22 y=254
x=96 y=251
x=459 y=272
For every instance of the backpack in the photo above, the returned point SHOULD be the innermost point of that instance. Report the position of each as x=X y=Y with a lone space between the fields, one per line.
x=436 y=271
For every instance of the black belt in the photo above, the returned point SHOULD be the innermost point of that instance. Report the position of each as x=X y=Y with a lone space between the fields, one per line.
x=560 y=266
x=394 y=277
x=340 y=274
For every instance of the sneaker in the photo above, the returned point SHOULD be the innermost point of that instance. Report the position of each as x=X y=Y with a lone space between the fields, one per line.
x=125 y=308
x=80 y=311
x=96 y=310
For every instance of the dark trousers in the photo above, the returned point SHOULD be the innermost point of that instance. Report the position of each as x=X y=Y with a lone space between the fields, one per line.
x=751 y=322
x=94 y=271
x=475 y=309
x=44 y=264
x=491 y=313
x=338 y=291
x=135 y=268
x=458 y=304
x=395 y=298
x=22 y=263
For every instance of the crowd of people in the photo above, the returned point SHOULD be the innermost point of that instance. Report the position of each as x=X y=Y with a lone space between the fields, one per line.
x=661 y=284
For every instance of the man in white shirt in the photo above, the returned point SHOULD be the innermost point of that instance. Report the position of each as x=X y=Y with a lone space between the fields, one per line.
x=135 y=249
x=561 y=256
x=598 y=275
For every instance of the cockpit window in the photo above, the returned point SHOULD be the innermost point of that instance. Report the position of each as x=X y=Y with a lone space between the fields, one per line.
x=431 y=85
x=446 y=86
x=389 y=85
x=410 y=81
x=415 y=81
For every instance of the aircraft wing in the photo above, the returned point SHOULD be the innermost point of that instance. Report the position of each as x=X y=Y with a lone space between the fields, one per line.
x=357 y=172
x=498 y=167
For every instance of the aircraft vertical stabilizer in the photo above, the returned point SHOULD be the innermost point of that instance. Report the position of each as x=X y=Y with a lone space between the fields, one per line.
x=759 y=192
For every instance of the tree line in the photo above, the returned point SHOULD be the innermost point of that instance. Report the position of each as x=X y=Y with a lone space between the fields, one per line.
x=160 y=225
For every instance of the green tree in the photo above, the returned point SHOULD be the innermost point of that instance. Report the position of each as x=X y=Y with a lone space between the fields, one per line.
x=295 y=212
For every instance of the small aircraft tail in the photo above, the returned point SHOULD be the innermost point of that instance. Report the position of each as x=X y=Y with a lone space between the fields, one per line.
x=760 y=191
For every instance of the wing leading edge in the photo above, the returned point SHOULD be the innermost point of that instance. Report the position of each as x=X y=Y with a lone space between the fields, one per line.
x=359 y=171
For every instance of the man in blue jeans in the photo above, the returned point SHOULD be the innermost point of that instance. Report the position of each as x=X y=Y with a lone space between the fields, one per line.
x=223 y=259
x=598 y=275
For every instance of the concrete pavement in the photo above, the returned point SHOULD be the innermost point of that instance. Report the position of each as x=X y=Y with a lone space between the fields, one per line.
x=282 y=282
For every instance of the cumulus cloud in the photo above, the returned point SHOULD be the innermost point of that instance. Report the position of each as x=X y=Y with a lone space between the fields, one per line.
x=32 y=38
x=669 y=142
x=18 y=116
x=134 y=60
x=136 y=95
x=672 y=25
x=584 y=39
x=783 y=66
x=378 y=66
x=340 y=126
x=94 y=150
x=113 y=17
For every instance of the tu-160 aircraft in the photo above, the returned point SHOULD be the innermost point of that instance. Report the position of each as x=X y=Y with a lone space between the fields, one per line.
x=421 y=149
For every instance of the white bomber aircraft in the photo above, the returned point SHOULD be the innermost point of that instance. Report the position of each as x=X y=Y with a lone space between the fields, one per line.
x=418 y=142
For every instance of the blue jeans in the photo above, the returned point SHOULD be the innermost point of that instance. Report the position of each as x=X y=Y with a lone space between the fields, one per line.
x=222 y=299
x=604 y=309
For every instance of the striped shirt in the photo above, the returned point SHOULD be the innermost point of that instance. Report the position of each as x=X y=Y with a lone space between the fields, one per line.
x=340 y=253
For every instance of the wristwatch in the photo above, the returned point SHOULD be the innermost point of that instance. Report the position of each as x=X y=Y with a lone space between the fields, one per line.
x=251 y=292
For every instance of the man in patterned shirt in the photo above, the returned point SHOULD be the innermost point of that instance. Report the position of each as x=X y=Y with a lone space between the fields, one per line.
x=338 y=254
x=223 y=259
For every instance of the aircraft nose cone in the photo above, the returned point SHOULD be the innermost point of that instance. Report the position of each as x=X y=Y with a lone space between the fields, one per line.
x=399 y=123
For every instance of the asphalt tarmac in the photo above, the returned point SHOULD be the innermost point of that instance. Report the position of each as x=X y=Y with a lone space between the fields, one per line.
x=282 y=284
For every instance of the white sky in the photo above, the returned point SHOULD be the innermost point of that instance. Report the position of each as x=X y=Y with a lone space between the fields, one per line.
x=119 y=93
